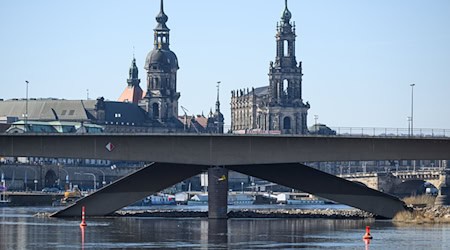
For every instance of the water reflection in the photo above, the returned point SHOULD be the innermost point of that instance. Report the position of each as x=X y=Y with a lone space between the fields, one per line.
x=217 y=233
x=23 y=231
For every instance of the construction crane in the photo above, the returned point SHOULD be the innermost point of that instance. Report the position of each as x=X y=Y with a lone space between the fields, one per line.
x=185 y=110
x=185 y=116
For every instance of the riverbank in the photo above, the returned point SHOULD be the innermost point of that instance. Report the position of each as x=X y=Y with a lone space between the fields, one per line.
x=254 y=213
x=429 y=214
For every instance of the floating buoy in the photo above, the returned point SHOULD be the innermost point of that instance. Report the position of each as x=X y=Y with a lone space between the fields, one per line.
x=367 y=235
x=83 y=217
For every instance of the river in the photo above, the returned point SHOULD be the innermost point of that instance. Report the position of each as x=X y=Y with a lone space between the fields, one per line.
x=20 y=229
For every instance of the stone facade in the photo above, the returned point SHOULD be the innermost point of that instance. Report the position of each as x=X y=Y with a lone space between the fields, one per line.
x=279 y=107
x=161 y=64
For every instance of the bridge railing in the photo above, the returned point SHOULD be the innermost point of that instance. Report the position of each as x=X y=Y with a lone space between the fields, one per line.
x=391 y=132
x=367 y=132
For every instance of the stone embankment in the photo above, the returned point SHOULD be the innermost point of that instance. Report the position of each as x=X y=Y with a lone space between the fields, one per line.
x=257 y=213
x=430 y=214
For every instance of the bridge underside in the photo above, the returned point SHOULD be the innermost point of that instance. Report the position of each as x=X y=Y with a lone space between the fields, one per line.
x=313 y=181
x=158 y=176
x=131 y=188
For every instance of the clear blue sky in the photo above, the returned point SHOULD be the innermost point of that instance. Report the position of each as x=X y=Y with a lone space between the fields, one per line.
x=359 y=56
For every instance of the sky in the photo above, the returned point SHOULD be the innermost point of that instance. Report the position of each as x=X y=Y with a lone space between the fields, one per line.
x=359 y=56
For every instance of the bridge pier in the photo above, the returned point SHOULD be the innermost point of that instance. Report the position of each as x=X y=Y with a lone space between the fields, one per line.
x=217 y=193
x=443 y=198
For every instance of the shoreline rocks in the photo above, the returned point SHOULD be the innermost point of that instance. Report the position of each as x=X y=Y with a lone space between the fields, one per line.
x=430 y=214
x=255 y=213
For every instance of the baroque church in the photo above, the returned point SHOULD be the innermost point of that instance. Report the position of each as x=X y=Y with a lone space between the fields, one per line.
x=160 y=100
x=279 y=107
x=154 y=110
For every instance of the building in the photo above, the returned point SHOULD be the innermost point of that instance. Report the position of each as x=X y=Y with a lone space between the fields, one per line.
x=279 y=107
x=152 y=111
x=133 y=92
x=161 y=98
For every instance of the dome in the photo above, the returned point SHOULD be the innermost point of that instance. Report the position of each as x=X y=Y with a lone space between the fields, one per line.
x=161 y=59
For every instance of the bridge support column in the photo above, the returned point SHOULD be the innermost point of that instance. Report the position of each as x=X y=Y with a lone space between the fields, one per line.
x=443 y=198
x=217 y=192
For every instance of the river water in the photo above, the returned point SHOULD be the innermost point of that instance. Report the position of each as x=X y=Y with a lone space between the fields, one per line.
x=19 y=229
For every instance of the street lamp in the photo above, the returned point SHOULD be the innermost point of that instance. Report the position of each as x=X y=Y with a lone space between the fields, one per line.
x=26 y=107
x=315 y=123
x=412 y=108
x=409 y=125
x=93 y=175
x=242 y=187
x=103 y=173
x=67 y=174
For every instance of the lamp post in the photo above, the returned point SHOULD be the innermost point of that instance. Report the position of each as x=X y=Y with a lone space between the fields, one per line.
x=67 y=174
x=409 y=125
x=242 y=187
x=93 y=175
x=103 y=173
x=412 y=108
x=26 y=107
x=315 y=123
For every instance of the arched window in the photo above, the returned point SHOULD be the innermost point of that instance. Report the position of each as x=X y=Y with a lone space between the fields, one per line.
x=287 y=123
x=155 y=109
x=286 y=48
x=285 y=86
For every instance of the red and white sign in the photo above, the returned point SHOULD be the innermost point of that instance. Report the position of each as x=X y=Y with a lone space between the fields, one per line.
x=110 y=147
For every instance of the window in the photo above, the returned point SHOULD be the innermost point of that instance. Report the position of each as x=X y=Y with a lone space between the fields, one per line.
x=286 y=48
x=155 y=109
x=64 y=112
x=71 y=112
x=287 y=123
x=285 y=86
x=117 y=115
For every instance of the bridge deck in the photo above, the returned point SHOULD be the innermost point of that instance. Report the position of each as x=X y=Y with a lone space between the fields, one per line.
x=216 y=150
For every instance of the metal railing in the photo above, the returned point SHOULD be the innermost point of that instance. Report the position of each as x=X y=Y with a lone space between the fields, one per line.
x=377 y=132
x=391 y=132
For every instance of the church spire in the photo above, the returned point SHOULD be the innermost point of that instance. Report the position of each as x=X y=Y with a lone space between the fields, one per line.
x=162 y=18
x=133 y=74
x=161 y=31
x=286 y=16
x=218 y=101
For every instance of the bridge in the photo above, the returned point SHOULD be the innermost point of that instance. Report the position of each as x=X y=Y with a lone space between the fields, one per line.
x=275 y=158
x=399 y=183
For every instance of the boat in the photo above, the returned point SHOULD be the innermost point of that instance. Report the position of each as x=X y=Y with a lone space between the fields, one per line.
x=160 y=199
x=304 y=202
x=233 y=199
x=70 y=197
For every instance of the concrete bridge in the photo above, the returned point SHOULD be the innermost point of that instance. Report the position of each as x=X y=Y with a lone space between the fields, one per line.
x=403 y=183
x=274 y=158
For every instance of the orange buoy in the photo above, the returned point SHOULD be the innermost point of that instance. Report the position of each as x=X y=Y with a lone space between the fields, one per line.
x=83 y=217
x=367 y=235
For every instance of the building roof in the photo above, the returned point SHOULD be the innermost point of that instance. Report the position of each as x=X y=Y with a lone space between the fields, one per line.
x=131 y=94
x=119 y=113
x=48 y=109
x=124 y=112
x=261 y=91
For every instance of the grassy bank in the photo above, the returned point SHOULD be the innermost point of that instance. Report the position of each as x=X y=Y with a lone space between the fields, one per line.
x=423 y=211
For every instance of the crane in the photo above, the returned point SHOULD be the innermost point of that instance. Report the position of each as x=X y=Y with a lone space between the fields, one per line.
x=185 y=110
x=185 y=116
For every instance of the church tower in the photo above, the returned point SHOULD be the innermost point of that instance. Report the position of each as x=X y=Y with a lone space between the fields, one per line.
x=133 y=92
x=217 y=117
x=161 y=64
x=288 y=113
